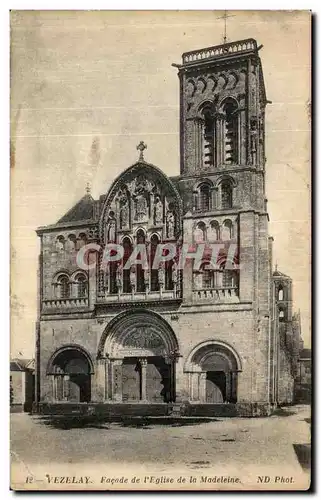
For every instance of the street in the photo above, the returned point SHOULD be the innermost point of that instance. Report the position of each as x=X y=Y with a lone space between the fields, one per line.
x=247 y=449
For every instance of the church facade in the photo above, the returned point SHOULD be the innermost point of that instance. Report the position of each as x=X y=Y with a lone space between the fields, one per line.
x=123 y=331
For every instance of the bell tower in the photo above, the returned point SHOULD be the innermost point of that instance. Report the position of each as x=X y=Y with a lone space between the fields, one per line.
x=222 y=108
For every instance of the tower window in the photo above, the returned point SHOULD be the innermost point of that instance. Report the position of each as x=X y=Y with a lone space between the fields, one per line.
x=226 y=194
x=280 y=293
x=230 y=132
x=230 y=279
x=63 y=287
x=281 y=315
x=204 y=198
x=81 y=282
x=208 y=138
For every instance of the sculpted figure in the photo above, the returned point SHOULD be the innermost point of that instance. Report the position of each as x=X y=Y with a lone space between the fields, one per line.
x=158 y=211
x=124 y=212
x=161 y=275
x=170 y=224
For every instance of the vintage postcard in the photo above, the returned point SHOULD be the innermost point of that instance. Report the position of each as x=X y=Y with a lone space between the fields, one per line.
x=160 y=264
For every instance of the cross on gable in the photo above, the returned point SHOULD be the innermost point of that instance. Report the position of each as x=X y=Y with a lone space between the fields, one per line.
x=141 y=147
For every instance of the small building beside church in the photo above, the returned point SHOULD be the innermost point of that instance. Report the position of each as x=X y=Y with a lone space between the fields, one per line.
x=22 y=384
x=215 y=337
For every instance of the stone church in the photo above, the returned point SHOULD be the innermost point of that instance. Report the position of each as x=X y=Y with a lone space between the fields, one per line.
x=214 y=340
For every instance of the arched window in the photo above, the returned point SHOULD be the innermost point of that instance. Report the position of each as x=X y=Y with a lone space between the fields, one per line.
x=208 y=278
x=227 y=228
x=200 y=232
x=280 y=293
x=214 y=232
x=204 y=198
x=208 y=137
x=140 y=283
x=154 y=285
x=81 y=285
x=63 y=286
x=226 y=194
x=127 y=244
x=82 y=240
x=230 y=278
x=60 y=243
x=230 y=132
x=71 y=242
x=281 y=315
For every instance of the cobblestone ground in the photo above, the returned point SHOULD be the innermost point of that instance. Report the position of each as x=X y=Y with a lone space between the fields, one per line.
x=265 y=446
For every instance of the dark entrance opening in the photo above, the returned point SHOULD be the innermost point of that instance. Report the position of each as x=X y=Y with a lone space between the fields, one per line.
x=72 y=376
x=215 y=387
x=158 y=377
x=131 y=375
x=79 y=388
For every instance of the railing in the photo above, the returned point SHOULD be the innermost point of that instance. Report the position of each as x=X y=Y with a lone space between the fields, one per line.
x=62 y=304
x=216 y=294
x=219 y=50
x=140 y=296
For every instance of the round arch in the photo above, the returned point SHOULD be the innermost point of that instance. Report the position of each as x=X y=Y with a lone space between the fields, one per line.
x=202 y=351
x=69 y=349
x=140 y=332
x=150 y=171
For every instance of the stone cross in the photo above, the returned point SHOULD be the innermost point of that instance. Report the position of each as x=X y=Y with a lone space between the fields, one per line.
x=141 y=147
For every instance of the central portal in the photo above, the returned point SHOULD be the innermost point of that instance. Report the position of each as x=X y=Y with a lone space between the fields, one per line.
x=142 y=351
x=146 y=379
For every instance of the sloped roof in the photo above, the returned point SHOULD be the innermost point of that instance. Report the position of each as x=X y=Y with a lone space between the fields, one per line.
x=15 y=367
x=82 y=210
x=20 y=364
x=277 y=274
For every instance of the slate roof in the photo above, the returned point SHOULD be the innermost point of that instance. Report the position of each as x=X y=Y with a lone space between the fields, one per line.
x=82 y=210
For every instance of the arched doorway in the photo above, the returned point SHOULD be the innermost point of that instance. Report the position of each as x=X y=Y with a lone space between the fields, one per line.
x=213 y=367
x=141 y=350
x=71 y=369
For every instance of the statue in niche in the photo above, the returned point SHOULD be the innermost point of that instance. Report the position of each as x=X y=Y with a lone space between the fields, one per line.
x=141 y=207
x=158 y=211
x=124 y=212
x=132 y=277
x=174 y=273
x=170 y=224
x=161 y=275
x=111 y=229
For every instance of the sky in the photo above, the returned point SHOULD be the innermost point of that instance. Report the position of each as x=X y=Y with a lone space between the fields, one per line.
x=88 y=86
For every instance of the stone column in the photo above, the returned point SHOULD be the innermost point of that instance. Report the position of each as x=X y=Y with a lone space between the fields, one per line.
x=106 y=392
x=219 y=140
x=233 y=388
x=116 y=372
x=143 y=379
x=65 y=388
x=194 y=386
x=54 y=387
x=99 y=380
x=202 y=387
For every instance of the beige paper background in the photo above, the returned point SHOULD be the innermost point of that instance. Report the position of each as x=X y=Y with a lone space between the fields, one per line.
x=86 y=87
